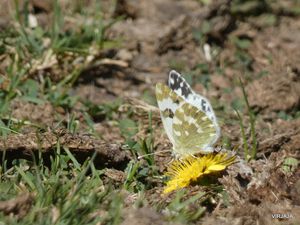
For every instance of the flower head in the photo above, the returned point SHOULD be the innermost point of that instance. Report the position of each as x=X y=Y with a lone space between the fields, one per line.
x=183 y=172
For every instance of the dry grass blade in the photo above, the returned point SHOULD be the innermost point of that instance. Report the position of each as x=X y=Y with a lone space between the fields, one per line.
x=18 y=206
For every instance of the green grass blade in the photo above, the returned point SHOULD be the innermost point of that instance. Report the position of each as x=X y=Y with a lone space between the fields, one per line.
x=252 y=122
x=245 y=144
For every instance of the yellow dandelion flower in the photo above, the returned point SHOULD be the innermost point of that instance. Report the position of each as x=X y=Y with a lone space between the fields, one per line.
x=183 y=172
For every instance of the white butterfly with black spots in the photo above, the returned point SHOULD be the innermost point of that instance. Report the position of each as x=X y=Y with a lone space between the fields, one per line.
x=188 y=118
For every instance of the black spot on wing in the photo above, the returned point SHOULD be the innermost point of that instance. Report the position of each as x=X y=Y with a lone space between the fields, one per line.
x=186 y=91
x=168 y=113
x=203 y=105
x=177 y=82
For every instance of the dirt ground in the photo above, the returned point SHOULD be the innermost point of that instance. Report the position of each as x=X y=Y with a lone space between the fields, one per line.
x=255 y=41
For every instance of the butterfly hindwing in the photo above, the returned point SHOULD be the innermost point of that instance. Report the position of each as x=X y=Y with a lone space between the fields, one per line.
x=193 y=131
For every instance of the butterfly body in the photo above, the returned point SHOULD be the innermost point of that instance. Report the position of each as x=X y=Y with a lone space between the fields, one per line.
x=188 y=118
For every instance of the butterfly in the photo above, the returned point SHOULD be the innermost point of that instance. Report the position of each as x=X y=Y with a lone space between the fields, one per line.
x=188 y=118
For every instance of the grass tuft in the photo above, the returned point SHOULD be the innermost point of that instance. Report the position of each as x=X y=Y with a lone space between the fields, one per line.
x=248 y=153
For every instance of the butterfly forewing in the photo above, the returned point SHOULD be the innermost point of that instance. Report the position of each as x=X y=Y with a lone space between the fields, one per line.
x=168 y=101
x=193 y=131
x=179 y=85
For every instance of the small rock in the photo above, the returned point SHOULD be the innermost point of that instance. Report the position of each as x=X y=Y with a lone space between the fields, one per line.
x=124 y=55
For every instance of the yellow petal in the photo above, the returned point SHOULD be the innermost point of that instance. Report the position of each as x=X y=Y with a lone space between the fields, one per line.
x=183 y=172
x=216 y=168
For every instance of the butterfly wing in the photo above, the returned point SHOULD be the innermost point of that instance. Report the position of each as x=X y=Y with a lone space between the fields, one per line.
x=179 y=85
x=168 y=102
x=193 y=131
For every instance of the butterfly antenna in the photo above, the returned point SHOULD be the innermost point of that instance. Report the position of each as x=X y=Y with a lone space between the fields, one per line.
x=153 y=153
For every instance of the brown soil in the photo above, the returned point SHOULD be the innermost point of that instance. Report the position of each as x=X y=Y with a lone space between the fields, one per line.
x=157 y=36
